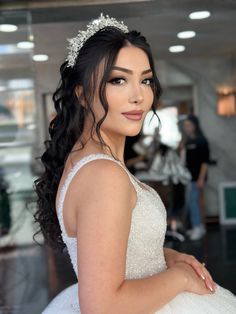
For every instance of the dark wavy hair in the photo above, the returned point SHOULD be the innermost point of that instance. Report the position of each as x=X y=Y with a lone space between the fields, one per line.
x=67 y=126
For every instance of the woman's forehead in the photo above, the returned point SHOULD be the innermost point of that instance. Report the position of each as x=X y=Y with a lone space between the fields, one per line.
x=133 y=58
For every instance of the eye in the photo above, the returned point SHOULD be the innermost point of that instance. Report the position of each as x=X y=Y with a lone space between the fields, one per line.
x=116 y=81
x=148 y=81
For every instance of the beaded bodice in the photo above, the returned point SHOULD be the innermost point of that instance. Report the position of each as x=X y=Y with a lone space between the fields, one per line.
x=144 y=255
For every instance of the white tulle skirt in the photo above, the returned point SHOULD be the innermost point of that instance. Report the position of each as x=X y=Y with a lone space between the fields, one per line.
x=221 y=302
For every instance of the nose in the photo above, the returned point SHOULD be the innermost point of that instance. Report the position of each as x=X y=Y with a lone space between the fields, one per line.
x=136 y=95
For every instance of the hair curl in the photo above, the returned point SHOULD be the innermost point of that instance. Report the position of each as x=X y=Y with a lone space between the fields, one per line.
x=67 y=126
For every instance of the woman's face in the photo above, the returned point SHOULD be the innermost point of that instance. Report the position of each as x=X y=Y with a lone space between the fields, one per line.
x=189 y=127
x=128 y=89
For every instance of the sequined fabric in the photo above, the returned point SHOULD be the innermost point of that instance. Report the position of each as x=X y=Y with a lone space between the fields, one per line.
x=144 y=253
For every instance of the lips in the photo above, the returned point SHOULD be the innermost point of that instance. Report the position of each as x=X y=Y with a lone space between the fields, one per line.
x=133 y=115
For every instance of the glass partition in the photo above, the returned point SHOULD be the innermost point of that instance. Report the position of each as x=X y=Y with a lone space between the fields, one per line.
x=17 y=127
x=19 y=255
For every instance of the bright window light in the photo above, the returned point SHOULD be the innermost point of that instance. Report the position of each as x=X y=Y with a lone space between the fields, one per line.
x=2 y=88
x=8 y=49
x=20 y=84
x=8 y=28
x=198 y=15
x=169 y=131
x=186 y=34
x=177 y=48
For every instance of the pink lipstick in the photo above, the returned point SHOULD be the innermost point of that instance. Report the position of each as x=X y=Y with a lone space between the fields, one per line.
x=133 y=115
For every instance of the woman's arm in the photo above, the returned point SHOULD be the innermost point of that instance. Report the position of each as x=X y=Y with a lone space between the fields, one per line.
x=204 y=157
x=149 y=294
x=106 y=198
x=202 y=175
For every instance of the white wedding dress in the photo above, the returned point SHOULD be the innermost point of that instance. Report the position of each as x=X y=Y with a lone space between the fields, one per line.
x=144 y=254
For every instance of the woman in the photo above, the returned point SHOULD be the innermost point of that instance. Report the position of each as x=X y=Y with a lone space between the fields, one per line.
x=112 y=224
x=197 y=158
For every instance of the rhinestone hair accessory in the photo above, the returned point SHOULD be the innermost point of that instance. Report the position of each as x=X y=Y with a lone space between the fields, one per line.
x=76 y=43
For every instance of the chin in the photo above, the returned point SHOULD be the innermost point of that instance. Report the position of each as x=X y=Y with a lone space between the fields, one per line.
x=133 y=132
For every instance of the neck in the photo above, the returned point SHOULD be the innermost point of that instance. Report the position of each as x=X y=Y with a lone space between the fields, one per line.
x=116 y=142
x=192 y=135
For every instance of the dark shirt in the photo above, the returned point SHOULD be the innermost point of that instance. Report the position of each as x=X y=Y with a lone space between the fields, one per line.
x=197 y=153
x=129 y=151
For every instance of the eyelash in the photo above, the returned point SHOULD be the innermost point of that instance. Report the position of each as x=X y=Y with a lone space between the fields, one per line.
x=115 y=80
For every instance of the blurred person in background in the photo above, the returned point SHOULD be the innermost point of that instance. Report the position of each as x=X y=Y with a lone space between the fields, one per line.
x=197 y=157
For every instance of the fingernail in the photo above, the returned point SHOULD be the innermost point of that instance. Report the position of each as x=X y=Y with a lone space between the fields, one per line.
x=203 y=277
x=210 y=287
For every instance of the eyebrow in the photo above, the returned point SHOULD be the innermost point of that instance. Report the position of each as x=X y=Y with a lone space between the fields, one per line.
x=130 y=71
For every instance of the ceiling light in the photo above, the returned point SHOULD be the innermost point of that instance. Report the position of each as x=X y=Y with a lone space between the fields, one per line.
x=8 y=28
x=177 y=48
x=31 y=37
x=186 y=34
x=199 y=15
x=25 y=45
x=40 y=58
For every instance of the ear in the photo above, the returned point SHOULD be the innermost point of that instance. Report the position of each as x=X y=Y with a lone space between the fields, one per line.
x=79 y=94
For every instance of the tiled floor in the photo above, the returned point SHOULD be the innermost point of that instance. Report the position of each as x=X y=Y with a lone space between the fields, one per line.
x=23 y=280
x=30 y=276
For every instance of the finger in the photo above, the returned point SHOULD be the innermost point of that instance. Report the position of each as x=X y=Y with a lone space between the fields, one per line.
x=205 y=283
x=205 y=289
x=203 y=273
x=197 y=266
x=209 y=284
x=201 y=269
x=208 y=277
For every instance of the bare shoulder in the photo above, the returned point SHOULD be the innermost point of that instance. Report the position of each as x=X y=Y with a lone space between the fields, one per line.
x=102 y=178
x=104 y=169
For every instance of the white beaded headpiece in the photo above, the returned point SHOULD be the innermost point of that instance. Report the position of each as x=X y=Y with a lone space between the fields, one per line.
x=76 y=43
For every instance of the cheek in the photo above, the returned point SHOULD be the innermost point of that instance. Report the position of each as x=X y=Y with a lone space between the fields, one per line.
x=149 y=97
x=116 y=98
x=113 y=93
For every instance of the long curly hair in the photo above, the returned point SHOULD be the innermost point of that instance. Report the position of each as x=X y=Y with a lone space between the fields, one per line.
x=67 y=126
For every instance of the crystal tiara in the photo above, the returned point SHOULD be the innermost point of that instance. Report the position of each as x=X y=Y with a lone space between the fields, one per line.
x=76 y=43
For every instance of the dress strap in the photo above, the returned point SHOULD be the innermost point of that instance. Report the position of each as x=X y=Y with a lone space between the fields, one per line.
x=72 y=173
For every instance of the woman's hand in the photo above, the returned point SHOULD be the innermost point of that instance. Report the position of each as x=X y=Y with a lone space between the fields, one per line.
x=172 y=257
x=192 y=281
x=200 y=183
